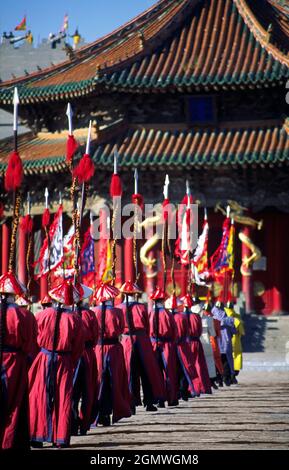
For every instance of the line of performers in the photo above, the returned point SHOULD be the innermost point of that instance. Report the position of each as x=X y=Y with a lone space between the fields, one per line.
x=78 y=364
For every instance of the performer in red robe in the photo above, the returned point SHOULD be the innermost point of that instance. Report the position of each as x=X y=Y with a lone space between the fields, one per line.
x=188 y=379
x=138 y=352
x=61 y=339
x=85 y=374
x=18 y=332
x=113 y=396
x=163 y=333
x=195 y=332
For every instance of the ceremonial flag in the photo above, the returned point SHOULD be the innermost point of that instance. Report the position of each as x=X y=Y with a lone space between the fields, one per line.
x=65 y=24
x=68 y=253
x=231 y=248
x=22 y=25
x=108 y=272
x=220 y=259
x=50 y=257
x=105 y=265
x=87 y=260
x=200 y=265
x=184 y=242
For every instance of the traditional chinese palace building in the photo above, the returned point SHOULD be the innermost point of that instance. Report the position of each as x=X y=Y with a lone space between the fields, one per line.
x=192 y=88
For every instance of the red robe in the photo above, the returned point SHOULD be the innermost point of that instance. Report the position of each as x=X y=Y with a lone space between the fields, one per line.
x=52 y=423
x=19 y=342
x=215 y=346
x=140 y=343
x=85 y=375
x=166 y=349
x=184 y=353
x=113 y=396
x=195 y=332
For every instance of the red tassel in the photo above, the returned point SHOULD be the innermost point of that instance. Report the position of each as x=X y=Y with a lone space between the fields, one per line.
x=166 y=210
x=14 y=172
x=115 y=189
x=68 y=294
x=71 y=147
x=185 y=200
x=84 y=170
x=138 y=200
x=45 y=218
x=26 y=224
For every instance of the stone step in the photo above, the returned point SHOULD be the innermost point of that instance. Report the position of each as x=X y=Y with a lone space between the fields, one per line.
x=266 y=334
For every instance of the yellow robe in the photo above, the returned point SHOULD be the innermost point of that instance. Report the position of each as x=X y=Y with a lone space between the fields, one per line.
x=236 y=340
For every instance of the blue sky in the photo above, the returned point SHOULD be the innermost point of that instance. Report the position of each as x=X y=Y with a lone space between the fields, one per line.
x=94 y=18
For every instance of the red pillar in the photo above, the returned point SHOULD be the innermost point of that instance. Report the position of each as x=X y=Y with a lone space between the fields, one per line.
x=5 y=247
x=22 y=245
x=128 y=260
x=278 y=242
x=247 y=280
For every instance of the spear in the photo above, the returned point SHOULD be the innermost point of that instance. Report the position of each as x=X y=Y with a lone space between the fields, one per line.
x=45 y=225
x=83 y=172
x=12 y=183
x=13 y=180
x=15 y=117
x=137 y=199
x=165 y=247
x=115 y=190
x=71 y=145
x=27 y=227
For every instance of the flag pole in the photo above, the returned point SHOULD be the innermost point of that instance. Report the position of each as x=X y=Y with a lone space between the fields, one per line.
x=165 y=229
x=15 y=188
x=137 y=200
x=79 y=214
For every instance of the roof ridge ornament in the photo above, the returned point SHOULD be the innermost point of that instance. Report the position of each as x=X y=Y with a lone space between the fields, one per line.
x=259 y=32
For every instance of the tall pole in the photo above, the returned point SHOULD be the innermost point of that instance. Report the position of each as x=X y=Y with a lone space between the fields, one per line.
x=247 y=277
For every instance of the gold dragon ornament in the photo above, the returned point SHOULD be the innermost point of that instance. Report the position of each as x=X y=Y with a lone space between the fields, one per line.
x=146 y=257
x=237 y=213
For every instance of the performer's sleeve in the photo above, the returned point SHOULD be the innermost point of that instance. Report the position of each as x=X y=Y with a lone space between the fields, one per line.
x=29 y=334
x=229 y=322
x=146 y=321
x=78 y=340
x=34 y=345
x=151 y=323
x=121 y=321
x=95 y=329
x=211 y=327
x=174 y=328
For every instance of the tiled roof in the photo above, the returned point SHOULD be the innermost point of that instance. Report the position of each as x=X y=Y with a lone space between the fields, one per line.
x=202 y=148
x=241 y=145
x=181 y=44
x=44 y=153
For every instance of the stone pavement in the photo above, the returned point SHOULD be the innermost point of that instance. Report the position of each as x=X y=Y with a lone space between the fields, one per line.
x=252 y=415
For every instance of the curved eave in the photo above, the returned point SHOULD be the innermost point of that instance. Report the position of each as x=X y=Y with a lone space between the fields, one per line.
x=158 y=148
x=217 y=45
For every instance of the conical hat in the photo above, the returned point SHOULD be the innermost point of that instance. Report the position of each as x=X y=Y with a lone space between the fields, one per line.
x=129 y=288
x=9 y=284
x=105 y=292
x=46 y=300
x=187 y=301
x=65 y=293
x=158 y=294
x=84 y=291
x=23 y=301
